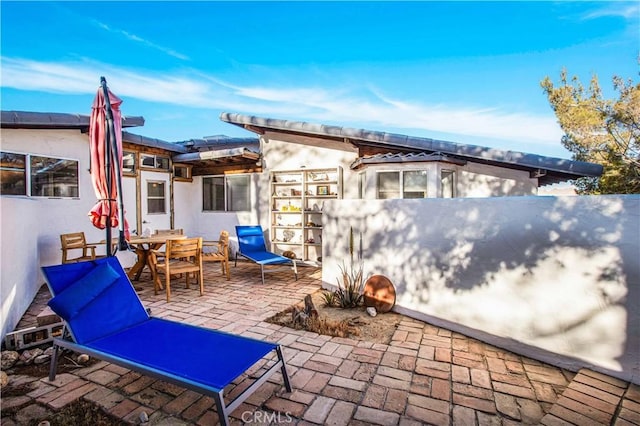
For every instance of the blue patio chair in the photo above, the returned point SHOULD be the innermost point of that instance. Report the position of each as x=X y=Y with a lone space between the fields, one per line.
x=105 y=318
x=252 y=247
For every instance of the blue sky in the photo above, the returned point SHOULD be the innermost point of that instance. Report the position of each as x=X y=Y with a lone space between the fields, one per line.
x=466 y=72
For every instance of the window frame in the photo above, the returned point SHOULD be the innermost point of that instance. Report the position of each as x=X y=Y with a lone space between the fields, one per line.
x=157 y=159
x=227 y=193
x=401 y=184
x=163 y=198
x=25 y=173
x=453 y=177
x=134 y=169
x=187 y=168
x=28 y=175
x=362 y=182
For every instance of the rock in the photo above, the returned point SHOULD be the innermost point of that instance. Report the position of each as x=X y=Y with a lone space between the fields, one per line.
x=144 y=417
x=372 y=311
x=82 y=359
x=4 y=379
x=25 y=358
x=41 y=359
x=8 y=359
x=28 y=357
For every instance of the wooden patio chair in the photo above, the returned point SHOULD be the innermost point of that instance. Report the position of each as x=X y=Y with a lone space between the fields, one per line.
x=219 y=254
x=160 y=232
x=181 y=257
x=74 y=242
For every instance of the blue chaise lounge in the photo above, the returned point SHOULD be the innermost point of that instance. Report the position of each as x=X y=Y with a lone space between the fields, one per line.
x=105 y=318
x=252 y=246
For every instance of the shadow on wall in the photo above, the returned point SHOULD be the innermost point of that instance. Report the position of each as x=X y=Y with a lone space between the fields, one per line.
x=560 y=274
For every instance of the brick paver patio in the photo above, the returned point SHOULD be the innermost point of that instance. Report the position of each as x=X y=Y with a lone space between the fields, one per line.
x=425 y=375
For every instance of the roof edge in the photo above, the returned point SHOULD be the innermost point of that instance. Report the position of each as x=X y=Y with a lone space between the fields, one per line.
x=479 y=153
x=55 y=120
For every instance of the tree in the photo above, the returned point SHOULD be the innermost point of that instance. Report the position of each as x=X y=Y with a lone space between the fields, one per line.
x=600 y=131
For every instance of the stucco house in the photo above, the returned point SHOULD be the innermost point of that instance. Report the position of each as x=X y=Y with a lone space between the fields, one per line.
x=209 y=184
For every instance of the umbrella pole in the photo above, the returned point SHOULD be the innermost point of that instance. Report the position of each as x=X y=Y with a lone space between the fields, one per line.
x=109 y=138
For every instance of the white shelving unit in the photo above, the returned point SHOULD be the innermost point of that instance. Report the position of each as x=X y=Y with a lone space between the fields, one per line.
x=297 y=201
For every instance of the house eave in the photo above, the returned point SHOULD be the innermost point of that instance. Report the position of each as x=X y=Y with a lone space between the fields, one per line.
x=555 y=169
x=55 y=120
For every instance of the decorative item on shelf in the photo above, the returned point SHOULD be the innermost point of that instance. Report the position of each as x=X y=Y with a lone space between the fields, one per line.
x=311 y=224
x=288 y=235
x=289 y=254
x=308 y=192
x=323 y=190
x=295 y=192
x=310 y=240
x=318 y=176
x=285 y=208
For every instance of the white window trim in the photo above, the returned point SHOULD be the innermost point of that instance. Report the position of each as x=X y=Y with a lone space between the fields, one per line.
x=401 y=182
x=27 y=171
x=164 y=196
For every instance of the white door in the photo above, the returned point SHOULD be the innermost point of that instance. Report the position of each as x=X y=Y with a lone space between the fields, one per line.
x=155 y=197
x=129 y=193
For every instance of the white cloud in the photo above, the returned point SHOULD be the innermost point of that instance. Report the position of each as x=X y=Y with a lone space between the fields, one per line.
x=141 y=40
x=325 y=105
x=626 y=10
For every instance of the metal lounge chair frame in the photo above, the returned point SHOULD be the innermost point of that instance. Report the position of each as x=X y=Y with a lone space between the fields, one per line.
x=252 y=247
x=105 y=318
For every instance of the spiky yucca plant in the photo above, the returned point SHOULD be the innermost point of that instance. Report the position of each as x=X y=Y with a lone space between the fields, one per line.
x=349 y=292
x=350 y=288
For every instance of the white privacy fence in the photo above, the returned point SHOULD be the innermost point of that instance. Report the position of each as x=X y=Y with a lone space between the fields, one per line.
x=552 y=278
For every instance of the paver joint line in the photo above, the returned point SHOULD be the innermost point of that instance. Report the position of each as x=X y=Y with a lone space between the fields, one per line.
x=425 y=374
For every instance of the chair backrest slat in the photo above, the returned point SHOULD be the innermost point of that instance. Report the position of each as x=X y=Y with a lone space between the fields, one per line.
x=73 y=240
x=189 y=247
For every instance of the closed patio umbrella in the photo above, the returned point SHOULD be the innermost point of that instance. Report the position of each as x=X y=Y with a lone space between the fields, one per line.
x=105 y=142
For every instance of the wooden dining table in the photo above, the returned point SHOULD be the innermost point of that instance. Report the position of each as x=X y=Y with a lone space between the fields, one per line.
x=143 y=247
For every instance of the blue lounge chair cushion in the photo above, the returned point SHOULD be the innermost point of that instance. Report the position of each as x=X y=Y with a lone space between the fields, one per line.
x=196 y=354
x=75 y=297
x=108 y=305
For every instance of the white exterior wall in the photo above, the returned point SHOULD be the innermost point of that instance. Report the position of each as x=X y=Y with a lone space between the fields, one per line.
x=190 y=216
x=30 y=227
x=552 y=278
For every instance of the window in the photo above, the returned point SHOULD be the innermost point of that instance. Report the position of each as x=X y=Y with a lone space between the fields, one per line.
x=38 y=176
x=361 y=185
x=13 y=175
x=53 y=177
x=213 y=193
x=447 y=182
x=412 y=182
x=155 y=161
x=226 y=193
x=182 y=172
x=155 y=197
x=128 y=162
x=388 y=185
